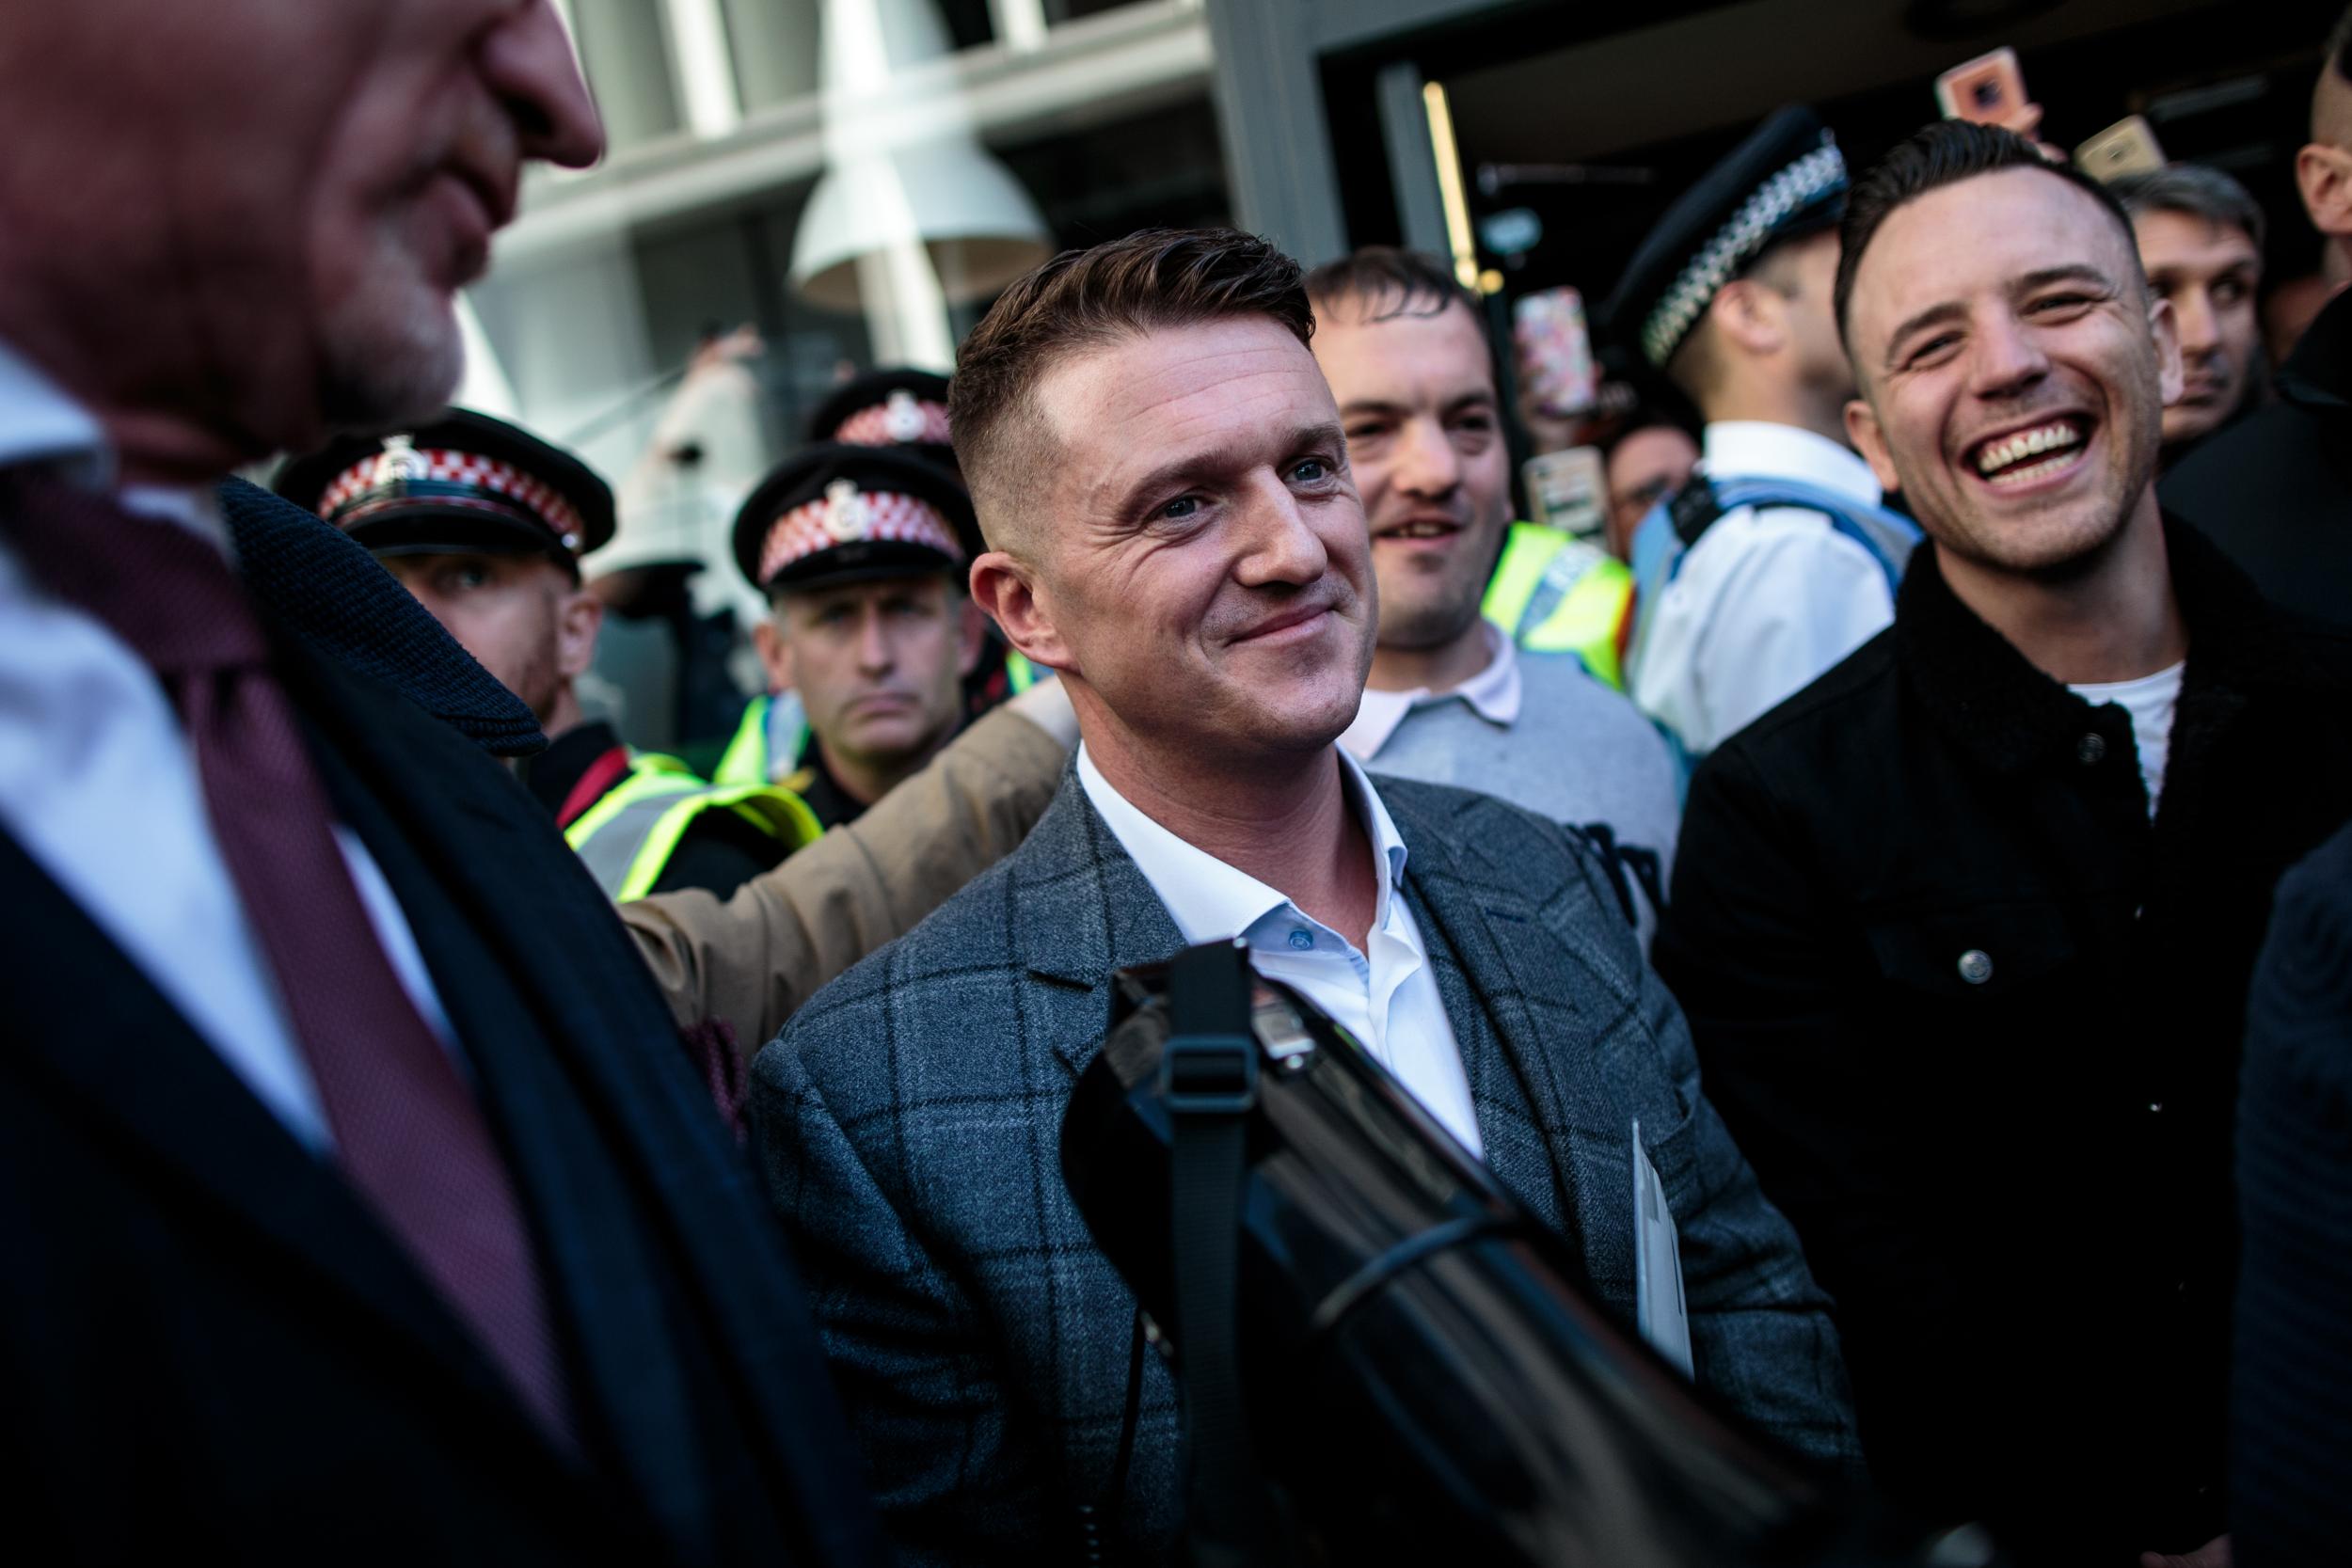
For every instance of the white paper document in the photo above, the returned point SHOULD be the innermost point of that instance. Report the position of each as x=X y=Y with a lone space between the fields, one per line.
x=1656 y=1265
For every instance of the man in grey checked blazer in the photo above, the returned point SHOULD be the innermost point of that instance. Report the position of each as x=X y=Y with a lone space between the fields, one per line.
x=911 y=1112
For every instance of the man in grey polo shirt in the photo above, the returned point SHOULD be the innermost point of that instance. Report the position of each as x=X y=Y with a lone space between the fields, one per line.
x=1450 y=700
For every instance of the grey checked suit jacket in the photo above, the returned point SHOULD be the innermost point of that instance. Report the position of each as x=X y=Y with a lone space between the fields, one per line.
x=911 y=1116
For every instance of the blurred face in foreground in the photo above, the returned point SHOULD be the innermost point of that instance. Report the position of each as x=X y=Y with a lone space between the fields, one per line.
x=1425 y=441
x=2013 y=369
x=1203 y=582
x=253 y=216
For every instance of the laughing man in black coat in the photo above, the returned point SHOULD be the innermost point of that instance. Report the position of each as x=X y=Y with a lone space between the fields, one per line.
x=1964 y=928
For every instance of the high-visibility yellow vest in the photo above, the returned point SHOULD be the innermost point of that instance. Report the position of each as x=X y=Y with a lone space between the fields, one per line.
x=745 y=760
x=627 y=836
x=1553 y=593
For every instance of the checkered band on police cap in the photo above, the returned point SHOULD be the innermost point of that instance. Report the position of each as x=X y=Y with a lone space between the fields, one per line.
x=402 y=473
x=901 y=420
x=845 y=514
x=1815 y=177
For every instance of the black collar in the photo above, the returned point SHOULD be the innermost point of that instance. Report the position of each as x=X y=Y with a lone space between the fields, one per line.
x=550 y=775
x=2319 y=372
x=1998 y=707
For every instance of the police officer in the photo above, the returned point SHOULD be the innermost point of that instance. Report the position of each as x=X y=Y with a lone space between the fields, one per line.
x=862 y=552
x=1779 y=558
x=485 y=524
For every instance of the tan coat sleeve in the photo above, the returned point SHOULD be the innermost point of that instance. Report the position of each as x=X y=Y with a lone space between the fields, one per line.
x=758 y=955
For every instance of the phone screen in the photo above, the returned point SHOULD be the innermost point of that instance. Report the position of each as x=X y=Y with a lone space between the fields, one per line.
x=1555 y=351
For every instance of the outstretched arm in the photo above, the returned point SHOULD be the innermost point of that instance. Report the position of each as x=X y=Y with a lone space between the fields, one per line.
x=752 y=958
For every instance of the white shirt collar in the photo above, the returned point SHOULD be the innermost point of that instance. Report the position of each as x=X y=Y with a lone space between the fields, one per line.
x=1210 y=900
x=1493 y=694
x=40 y=423
x=1744 y=449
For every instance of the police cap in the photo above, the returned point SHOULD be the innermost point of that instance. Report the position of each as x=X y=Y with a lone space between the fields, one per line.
x=889 y=409
x=1786 y=181
x=842 y=513
x=462 y=482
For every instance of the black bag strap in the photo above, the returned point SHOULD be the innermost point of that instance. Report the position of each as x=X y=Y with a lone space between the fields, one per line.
x=1209 y=1083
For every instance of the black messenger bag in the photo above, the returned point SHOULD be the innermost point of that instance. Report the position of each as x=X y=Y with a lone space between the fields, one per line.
x=1382 y=1357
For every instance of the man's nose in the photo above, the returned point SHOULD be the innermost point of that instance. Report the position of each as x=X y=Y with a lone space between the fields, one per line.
x=875 y=653
x=2193 y=318
x=528 y=62
x=1426 y=464
x=1281 y=546
x=2006 y=357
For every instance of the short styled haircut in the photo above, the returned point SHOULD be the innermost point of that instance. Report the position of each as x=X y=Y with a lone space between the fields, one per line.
x=2194 y=191
x=1390 y=282
x=1153 y=280
x=1940 y=155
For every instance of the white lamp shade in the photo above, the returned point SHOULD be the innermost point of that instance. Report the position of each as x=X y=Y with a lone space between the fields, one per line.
x=977 y=226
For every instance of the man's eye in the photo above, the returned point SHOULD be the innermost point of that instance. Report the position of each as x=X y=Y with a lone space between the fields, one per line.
x=1313 y=470
x=1358 y=434
x=1930 y=349
x=1181 y=508
x=2049 y=303
x=460 y=579
x=2229 y=290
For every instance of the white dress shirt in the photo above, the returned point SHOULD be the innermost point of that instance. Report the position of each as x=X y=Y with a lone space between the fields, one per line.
x=1387 y=999
x=1493 y=694
x=1767 y=601
x=98 y=784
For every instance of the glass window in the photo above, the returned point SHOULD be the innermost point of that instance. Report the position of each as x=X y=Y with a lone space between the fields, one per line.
x=625 y=53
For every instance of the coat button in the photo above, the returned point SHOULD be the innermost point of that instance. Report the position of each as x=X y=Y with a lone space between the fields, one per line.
x=1976 y=966
x=2091 y=748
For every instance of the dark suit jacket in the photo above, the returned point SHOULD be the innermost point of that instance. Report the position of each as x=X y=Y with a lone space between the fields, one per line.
x=913 y=1109
x=213 y=1351
x=1975 y=1020
x=2291 y=1378
x=2275 y=489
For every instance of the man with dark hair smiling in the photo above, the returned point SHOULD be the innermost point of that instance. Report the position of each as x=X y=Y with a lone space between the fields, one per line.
x=1162 y=478
x=1964 y=928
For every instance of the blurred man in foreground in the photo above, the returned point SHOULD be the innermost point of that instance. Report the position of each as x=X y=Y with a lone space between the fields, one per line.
x=1449 y=699
x=1162 y=479
x=2276 y=491
x=375 y=1214
x=2201 y=244
x=1964 y=928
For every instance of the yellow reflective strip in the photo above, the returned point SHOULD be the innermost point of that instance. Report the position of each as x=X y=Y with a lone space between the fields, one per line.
x=1526 y=551
x=637 y=785
x=745 y=760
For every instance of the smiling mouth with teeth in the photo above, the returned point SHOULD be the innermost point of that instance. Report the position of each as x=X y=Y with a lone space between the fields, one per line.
x=2030 y=454
x=1419 y=530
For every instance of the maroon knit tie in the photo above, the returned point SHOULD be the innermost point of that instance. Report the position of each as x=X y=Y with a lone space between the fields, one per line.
x=408 y=1132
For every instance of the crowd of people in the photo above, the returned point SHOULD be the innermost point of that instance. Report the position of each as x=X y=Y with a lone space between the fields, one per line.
x=437 y=1130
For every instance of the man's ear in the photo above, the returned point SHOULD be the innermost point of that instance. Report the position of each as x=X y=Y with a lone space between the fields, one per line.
x=577 y=620
x=775 y=654
x=1862 y=429
x=2163 y=325
x=1751 y=315
x=1003 y=587
x=2323 y=175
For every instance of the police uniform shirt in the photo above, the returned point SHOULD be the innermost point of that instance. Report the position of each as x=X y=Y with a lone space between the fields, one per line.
x=1767 y=601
